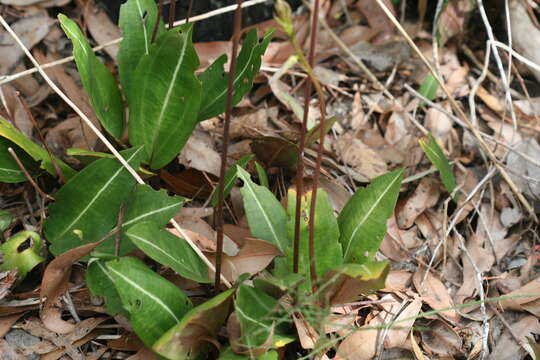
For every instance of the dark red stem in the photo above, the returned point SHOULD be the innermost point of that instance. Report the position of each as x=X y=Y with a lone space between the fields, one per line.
x=226 y=126
x=158 y=19
x=172 y=13
x=311 y=225
x=189 y=10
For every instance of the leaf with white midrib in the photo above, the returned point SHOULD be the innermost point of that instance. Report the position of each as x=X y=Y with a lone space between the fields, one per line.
x=363 y=220
x=266 y=217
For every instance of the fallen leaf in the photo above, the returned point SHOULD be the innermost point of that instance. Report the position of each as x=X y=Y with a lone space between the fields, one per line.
x=424 y=197
x=505 y=346
x=199 y=153
x=442 y=340
x=434 y=293
x=364 y=160
x=55 y=283
x=101 y=27
x=398 y=334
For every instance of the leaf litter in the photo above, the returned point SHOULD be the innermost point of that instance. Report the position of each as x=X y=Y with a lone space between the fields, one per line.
x=432 y=293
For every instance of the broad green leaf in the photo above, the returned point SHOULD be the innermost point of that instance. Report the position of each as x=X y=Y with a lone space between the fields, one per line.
x=256 y=313
x=362 y=222
x=36 y=152
x=349 y=282
x=328 y=252
x=155 y=304
x=21 y=252
x=439 y=160
x=230 y=178
x=261 y=173
x=144 y=204
x=429 y=87
x=100 y=282
x=137 y=21
x=169 y=250
x=277 y=287
x=90 y=202
x=98 y=82
x=10 y=172
x=266 y=217
x=189 y=337
x=215 y=80
x=166 y=100
x=229 y=354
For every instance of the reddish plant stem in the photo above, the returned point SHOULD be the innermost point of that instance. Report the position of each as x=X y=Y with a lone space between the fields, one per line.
x=172 y=13
x=189 y=10
x=311 y=224
x=158 y=19
x=226 y=126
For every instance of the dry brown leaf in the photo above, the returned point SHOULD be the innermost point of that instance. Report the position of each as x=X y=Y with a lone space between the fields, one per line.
x=253 y=124
x=398 y=334
x=17 y=111
x=55 y=283
x=397 y=280
x=442 y=340
x=7 y=280
x=6 y=322
x=434 y=293
x=438 y=123
x=452 y=19
x=506 y=347
x=377 y=19
x=31 y=30
x=522 y=168
x=424 y=197
x=211 y=50
x=252 y=258
x=364 y=160
x=525 y=35
x=200 y=153
x=101 y=27
x=527 y=293
x=492 y=101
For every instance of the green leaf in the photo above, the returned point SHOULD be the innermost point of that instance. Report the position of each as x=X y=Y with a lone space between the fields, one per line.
x=362 y=222
x=90 y=202
x=256 y=313
x=230 y=178
x=266 y=217
x=349 y=282
x=37 y=153
x=189 y=337
x=169 y=250
x=144 y=204
x=439 y=160
x=137 y=21
x=155 y=304
x=314 y=133
x=100 y=282
x=328 y=252
x=21 y=252
x=167 y=97
x=10 y=172
x=98 y=82
x=5 y=220
x=261 y=173
x=84 y=152
x=429 y=87
x=215 y=80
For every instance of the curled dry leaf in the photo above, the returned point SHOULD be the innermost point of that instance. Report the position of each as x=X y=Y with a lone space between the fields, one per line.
x=424 y=197
x=55 y=283
x=434 y=293
x=252 y=258
x=519 y=298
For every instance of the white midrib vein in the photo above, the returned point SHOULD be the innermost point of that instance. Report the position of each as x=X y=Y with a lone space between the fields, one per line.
x=146 y=293
x=74 y=37
x=98 y=194
x=366 y=216
x=241 y=312
x=270 y=225
x=237 y=76
x=150 y=213
x=10 y=170
x=145 y=34
x=141 y=239
x=169 y=92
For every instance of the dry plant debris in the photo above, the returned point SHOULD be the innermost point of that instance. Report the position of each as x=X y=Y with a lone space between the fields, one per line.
x=464 y=280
